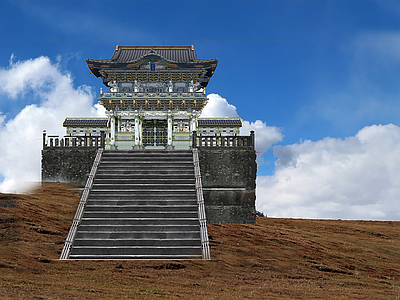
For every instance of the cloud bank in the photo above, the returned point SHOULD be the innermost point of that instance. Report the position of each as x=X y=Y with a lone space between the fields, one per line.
x=21 y=136
x=353 y=178
x=265 y=136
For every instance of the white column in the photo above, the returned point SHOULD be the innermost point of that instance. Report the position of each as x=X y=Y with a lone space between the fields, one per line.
x=137 y=133
x=112 y=142
x=140 y=133
x=169 y=129
x=193 y=121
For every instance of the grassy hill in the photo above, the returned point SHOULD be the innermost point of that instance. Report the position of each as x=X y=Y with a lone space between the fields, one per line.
x=274 y=259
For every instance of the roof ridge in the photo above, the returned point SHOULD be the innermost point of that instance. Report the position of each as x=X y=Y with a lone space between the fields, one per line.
x=155 y=46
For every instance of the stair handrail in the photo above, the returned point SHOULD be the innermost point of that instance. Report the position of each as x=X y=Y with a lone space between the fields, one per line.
x=81 y=207
x=205 y=245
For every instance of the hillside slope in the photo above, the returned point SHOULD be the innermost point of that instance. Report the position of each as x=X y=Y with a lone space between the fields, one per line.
x=273 y=259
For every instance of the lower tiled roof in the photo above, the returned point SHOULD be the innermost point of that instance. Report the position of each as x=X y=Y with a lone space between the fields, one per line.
x=211 y=122
x=85 y=122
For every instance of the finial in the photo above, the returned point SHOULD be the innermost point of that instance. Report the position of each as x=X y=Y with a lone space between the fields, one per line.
x=101 y=91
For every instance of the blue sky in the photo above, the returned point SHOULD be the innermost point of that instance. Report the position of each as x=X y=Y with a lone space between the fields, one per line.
x=319 y=71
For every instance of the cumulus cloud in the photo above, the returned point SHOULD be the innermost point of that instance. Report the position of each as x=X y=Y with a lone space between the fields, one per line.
x=21 y=136
x=352 y=178
x=265 y=136
x=218 y=107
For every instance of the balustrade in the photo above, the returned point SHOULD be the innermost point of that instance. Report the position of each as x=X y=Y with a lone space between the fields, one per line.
x=52 y=141
x=199 y=141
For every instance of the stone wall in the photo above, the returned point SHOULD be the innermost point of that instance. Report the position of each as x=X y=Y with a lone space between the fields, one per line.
x=229 y=182
x=67 y=164
x=228 y=178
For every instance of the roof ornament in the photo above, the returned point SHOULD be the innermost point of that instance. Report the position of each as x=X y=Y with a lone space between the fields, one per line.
x=113 y=86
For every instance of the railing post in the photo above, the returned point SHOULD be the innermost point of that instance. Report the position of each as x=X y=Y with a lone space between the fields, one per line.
x=252 y=139
x=44 y=139
x=194 y=139
x=103 y=139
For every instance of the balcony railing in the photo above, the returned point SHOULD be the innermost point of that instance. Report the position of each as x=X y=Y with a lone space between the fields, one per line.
x=217 y=141
x=152 y=95
x=52 y=141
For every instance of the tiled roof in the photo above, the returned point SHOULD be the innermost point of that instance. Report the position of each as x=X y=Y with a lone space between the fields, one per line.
x=211 y=122
x=173 y=53
x=85 y=122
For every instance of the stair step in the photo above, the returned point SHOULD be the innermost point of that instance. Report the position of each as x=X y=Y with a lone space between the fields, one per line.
x=140 y=171
x=139 y=221
x=134 y=176
x=135 y=158
x=139 y=214
x=139 y=227
x=143 y=181
x=141 y=208
x=137 y=242
x=193 y=234
x=132 y=257
x=137 y=250
x=144 y=204
x=133 y=191
x=143 y=186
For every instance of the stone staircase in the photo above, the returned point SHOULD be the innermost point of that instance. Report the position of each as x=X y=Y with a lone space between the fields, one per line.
x=142 y=205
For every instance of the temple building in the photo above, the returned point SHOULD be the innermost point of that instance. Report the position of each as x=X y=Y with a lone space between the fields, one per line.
x=155 y=98
x=153 y=171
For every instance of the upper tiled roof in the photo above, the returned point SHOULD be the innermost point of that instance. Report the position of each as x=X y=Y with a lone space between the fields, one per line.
x=179 y=54
x=85 y=122
x=211 y=122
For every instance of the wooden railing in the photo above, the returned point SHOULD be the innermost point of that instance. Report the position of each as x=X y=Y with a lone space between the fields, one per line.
x=200 y=141
x=51 y=141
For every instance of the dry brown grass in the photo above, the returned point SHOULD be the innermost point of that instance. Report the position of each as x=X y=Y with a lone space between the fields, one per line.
x=274 y=259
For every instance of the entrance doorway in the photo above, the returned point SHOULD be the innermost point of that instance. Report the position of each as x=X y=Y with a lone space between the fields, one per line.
x=155 y=133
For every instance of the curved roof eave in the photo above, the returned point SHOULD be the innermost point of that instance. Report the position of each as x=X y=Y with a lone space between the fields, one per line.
x=108 y=63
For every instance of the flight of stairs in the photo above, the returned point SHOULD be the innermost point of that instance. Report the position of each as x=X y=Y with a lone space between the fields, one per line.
x=142 y=205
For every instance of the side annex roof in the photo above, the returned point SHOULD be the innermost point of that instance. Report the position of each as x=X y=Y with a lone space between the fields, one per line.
x=85 y=122
x=211 y=122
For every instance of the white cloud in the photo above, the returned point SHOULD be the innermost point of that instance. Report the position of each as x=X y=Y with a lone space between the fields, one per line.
x=353 y=178
x=218 y=107
x=265 y=136
x=21 y=136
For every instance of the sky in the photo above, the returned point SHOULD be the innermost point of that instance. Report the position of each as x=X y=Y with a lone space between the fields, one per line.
x=316 y=79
